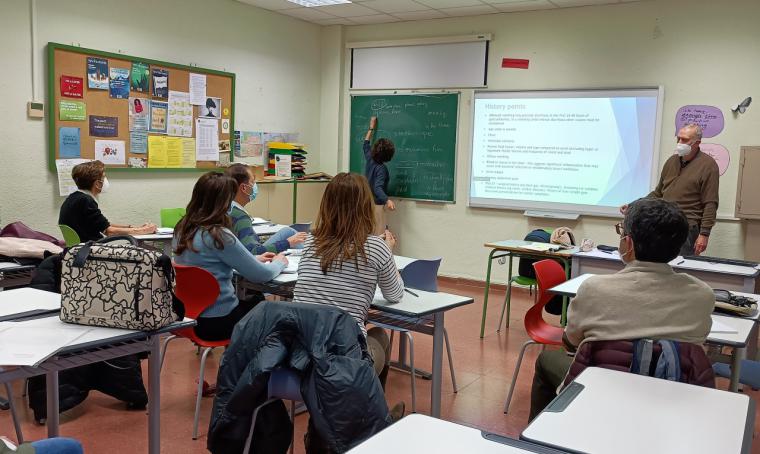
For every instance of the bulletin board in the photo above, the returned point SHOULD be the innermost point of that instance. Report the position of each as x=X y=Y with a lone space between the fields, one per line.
x=68 y=83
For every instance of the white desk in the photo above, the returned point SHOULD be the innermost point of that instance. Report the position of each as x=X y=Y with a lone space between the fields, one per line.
x=24 y=302
x=268 y=229
x=402 y=262
x=95 y=345
x=418 y=433
x=605 y=411
x=716 y=275
x=164 y=238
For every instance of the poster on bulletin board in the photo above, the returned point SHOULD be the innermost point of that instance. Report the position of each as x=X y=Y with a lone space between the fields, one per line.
x=135 y=113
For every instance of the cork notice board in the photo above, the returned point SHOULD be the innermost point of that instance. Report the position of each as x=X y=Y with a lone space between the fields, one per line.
x=71 y=63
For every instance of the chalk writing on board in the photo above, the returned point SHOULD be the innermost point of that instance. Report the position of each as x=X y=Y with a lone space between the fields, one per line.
x=719 y=153
x=710 y=118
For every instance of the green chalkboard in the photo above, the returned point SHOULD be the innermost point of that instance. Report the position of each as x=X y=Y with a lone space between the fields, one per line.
x=424 y=129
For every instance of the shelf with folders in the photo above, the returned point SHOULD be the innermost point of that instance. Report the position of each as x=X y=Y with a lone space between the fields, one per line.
x=286 y=160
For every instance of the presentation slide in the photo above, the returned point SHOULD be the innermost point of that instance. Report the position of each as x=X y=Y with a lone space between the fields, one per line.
x=588 y=152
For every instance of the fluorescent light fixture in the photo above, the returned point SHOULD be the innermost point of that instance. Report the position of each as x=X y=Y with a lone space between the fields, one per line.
x=312 y=3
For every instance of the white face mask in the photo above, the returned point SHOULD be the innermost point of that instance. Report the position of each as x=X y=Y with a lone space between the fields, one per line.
x=683 y=149
x=106 y=185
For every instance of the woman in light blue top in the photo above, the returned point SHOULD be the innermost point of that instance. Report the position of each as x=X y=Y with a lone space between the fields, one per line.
x=203 y=238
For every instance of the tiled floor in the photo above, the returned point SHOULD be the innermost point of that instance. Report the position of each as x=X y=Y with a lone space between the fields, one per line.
x=484 y=369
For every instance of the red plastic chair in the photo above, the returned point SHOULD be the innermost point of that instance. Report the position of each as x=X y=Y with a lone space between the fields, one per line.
x=197 y=289
x=548 y=274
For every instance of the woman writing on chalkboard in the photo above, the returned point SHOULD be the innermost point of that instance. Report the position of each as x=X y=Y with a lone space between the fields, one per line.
x=377 y=174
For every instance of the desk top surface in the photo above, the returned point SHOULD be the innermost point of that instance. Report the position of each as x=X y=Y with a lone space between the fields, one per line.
x=627 y=413
x=25 y=301
x=419 y=433
x=424 y=303
x=679 y=263
x=525 y=247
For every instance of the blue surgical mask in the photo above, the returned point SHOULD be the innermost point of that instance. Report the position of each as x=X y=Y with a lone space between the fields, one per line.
x=254 y=192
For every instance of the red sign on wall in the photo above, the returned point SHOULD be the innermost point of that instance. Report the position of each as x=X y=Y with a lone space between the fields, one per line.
x=71 y=87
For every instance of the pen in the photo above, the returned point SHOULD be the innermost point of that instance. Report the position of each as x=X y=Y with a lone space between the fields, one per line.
x=680 y=262
x=410 y=292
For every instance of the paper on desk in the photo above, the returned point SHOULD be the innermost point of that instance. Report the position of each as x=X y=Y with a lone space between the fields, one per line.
x=542 y=247
x=292 y=265
x=259 y=221
x=25 y=345
x=165 y=230
x=722 y=328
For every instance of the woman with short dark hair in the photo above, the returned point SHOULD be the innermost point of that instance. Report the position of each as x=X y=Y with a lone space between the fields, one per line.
x=80 y=210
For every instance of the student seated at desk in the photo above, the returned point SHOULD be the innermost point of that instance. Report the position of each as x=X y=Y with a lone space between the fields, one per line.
x=343 y=262
x=203 y=238
x=286 y=238
x=80 y=209
x=645 y=300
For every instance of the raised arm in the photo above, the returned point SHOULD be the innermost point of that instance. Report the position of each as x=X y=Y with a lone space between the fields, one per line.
x=372 y=127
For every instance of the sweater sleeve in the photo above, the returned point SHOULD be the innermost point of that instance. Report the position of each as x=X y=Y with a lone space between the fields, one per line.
x=243 y=229
x=657 y=193
x=367 y=148
x=575 y=315
x=388 y=279
x=378 y=185
x=710 y=188
x=238 y=257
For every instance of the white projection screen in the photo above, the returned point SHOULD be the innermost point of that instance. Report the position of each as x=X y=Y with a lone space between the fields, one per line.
x=568 y=152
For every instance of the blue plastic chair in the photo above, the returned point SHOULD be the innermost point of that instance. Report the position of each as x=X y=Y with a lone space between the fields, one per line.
x=283 y=384
x=301 y=227
x=749 y=372
x=420 y=275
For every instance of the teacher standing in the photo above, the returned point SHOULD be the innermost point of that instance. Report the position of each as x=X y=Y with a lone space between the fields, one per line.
x=690 y=179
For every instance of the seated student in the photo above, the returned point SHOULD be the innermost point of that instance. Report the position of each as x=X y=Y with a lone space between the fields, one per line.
x=286 y=238
x=646 y=299
x=203 y=238
x=377 y=174
x=343 y=261
x=80 y=209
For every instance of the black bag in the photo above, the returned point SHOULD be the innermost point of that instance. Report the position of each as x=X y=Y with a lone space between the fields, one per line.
x=729 y=303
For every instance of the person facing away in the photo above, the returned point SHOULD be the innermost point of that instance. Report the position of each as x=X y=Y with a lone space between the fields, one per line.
x=286 y=238
x=690 y=178
x=646 y=299
x=377 y=174
x=203 y=238
x=343 y=262
x=80 y=210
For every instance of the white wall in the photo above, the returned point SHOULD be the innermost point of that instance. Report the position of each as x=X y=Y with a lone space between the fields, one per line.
x=701 y=51
x=276 y=59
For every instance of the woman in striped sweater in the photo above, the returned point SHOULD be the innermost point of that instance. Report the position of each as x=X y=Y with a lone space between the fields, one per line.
x=343 y=262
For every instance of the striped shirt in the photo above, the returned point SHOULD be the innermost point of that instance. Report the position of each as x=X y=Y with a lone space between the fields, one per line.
x=243 y=228
x=350 y=285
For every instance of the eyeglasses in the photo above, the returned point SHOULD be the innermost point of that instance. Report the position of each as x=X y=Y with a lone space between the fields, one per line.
x=619 y=229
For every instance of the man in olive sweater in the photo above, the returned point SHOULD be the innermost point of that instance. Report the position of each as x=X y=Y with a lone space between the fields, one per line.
x=690 y=179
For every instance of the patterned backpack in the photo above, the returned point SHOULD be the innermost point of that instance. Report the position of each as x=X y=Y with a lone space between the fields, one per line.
x=118 y=286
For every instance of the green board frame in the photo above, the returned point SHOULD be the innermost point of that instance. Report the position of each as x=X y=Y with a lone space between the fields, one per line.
x=423 y=127
x=50 y=99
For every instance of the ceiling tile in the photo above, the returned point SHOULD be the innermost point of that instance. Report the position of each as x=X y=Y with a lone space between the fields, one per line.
x=347 y=10
x=530 y=5
x=271 y=4
x=420 y=15
x=393 y=6
x=336 y=21
x=374 y=19
x=569 y=3
x=309 y=14
x=440 y=4
x=470 y=10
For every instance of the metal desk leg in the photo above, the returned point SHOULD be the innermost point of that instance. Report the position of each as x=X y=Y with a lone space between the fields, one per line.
x=51 y=383
x=403 y=365
x=737 y=354
x=485 y=296
x=435 y=388
x=565 y=299
x=154 y=398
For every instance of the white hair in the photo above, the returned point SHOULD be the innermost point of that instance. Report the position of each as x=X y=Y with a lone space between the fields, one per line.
x=697 y=130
